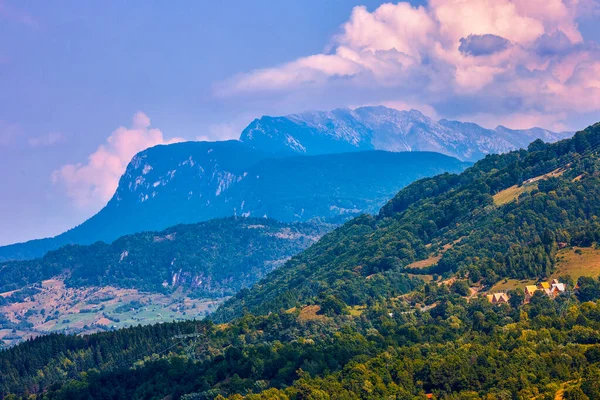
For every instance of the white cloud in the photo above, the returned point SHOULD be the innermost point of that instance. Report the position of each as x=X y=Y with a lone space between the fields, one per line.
x=92 y=184
x=50 y=139
x=504 y=58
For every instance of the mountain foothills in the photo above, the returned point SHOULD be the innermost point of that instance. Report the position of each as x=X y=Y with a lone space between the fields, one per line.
x=382 y=128
x=197 y=181
x=179 y=273
x=384 y=307
x=215 y=258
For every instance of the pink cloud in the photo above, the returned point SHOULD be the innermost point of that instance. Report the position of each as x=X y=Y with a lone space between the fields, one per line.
x=92 y=184
x=510 y=62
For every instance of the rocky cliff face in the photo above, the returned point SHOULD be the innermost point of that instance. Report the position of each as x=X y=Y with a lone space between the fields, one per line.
x=382 y=128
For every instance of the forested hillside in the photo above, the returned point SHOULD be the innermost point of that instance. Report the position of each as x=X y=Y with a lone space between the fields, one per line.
x=214 y=258
x=351 y=318
x=452 y=349
x=454 y=220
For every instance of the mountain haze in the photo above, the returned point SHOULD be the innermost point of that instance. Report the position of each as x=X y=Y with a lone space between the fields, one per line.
x=382 y=128
x=197 y=181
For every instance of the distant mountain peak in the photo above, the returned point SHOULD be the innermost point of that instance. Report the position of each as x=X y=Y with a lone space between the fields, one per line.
x=382 y=128
x=197 y=181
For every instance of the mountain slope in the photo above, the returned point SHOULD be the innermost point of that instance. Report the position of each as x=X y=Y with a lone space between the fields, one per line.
x=381 y=128
x=212 y=258
x=433 y=342
x=454 y=221
x=196 y=181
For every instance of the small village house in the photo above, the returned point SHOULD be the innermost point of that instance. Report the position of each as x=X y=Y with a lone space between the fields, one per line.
x=551 y=289
x=558 y=288
x=529 y=291
x=498 y=298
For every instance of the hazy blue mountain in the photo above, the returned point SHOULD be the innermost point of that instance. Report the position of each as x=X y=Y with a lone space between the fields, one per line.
x=197 y=181
x=382 y=128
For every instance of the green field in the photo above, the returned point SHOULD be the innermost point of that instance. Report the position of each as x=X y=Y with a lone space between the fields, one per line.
x=512 y=193
x=510 y=284
x=578 y=261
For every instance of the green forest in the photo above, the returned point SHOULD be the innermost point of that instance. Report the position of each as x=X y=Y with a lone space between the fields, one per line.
x=458 y=349
x=351 y=317
x=214 y=258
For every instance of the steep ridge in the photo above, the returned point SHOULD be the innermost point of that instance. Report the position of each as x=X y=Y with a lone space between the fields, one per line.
x=197 y=181
x=382 y=128
x=454 y=219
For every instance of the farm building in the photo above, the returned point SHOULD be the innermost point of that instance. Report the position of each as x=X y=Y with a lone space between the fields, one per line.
x=498 y=298
x=530 y=290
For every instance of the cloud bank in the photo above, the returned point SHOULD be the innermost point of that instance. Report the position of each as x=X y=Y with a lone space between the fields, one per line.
x=92 y=184
x=509 y=61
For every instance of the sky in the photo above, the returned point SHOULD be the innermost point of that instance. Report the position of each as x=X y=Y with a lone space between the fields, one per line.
x=86 y=85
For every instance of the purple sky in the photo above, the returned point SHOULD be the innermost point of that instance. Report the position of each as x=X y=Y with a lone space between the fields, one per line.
x=84 y=85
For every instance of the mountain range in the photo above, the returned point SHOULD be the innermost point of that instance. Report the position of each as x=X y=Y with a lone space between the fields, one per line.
x=386 y=306
x=197 y=181
x=382 y=128
x=263 y=174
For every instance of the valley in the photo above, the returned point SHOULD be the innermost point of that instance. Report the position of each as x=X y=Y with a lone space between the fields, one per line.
x=51 y=307
x=86 y=289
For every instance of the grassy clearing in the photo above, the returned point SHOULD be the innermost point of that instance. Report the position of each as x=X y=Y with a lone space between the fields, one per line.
x=578 y=262
x=512 y=194
x=510 y=284
x=309 y=313
x=428 y=262
x=356 y=311
x=433 y=258
x=425 y=278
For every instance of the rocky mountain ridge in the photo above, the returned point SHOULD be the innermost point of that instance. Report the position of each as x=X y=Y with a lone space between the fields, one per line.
x=382 y=128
